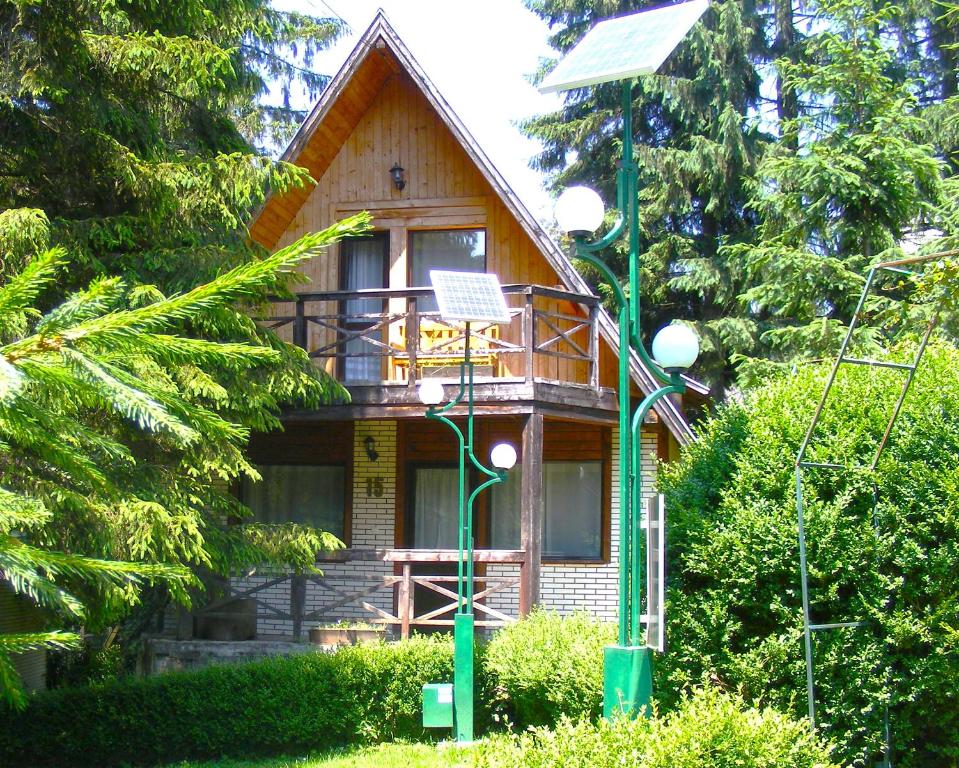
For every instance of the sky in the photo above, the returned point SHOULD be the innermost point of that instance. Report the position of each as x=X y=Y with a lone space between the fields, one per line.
x=478 y=55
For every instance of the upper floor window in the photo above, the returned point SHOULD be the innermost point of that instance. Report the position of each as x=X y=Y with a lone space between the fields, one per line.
x=363 y=265
x=459 y=250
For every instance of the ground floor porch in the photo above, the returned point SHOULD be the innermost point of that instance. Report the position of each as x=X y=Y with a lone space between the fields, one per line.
x=386 y=488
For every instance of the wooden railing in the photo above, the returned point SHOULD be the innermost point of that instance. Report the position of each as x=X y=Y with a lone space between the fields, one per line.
x=401 y=585
x=545 y=324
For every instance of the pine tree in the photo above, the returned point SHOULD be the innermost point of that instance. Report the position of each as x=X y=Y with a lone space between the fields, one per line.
x=117 y=448
x=856 y=182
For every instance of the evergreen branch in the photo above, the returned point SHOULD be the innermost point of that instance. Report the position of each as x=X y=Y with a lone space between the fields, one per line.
x=127 y=400
x=115 y=573
x=20 y=292
x=100 y=297
x=239 y=284
x=19 y=512
x=21 y=642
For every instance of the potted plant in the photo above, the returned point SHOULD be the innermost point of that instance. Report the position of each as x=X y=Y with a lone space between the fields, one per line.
x=346 y=633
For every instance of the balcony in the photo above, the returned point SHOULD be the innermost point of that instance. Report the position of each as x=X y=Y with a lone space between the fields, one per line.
x=380 y=342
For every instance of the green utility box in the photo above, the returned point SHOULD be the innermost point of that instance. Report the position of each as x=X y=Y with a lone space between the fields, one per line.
x=438 y=705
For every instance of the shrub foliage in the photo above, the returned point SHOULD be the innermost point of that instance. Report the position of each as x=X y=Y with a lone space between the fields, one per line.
x=883 y=548
x=547 y=666
x=307 y=702
x=708 y=730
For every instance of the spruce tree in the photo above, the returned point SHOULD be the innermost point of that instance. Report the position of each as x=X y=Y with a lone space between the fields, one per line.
x=841 y=194
x=133 y=153
x=117 y=447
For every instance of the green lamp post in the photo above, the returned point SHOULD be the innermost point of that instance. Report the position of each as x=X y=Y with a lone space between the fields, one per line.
x=502 y=457
x=621 y=49
x=627 y=678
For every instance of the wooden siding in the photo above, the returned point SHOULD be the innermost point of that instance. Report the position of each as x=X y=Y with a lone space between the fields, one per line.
x=444 y=190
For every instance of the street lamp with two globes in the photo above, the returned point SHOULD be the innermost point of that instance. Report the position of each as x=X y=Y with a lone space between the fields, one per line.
x=579 y=211
x=502 y=458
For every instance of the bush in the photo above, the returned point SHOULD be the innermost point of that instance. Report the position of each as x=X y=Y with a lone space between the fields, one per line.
x=547 y=666
x=307 y=702
x=734 y=604
x=708 y=730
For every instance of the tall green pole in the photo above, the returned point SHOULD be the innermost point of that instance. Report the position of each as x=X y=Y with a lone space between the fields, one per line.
x=627 y=675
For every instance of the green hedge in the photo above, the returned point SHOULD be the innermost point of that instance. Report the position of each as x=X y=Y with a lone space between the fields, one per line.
x=709 y=729
x=547 y=666
x=294 y=704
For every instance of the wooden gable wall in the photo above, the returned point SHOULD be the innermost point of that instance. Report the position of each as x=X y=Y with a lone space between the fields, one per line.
x=444 y=190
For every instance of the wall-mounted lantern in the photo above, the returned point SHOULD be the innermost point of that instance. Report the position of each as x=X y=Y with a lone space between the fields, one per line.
x=398 y=174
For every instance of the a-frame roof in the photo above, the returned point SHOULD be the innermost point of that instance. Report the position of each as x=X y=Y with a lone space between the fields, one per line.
x=379 y=53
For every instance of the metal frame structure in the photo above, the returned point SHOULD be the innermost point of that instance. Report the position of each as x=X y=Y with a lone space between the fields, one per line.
x=894 y=267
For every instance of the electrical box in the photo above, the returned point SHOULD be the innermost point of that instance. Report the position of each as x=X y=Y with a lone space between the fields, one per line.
x=438 y=705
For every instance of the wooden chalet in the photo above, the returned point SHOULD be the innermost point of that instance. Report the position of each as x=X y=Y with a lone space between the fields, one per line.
x=374 y=471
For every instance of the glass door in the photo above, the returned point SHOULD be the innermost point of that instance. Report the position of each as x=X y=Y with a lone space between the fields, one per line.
x=363 y=264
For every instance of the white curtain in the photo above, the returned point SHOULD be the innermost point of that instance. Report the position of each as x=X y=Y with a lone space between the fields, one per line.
x=505 y=511
x=460 y=250
x=312 y=495
x=435 y=508
x=572 y=514
x=364 y=269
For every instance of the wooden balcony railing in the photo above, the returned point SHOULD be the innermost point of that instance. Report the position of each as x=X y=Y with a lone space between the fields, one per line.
x=405 y=614
x=376 y=335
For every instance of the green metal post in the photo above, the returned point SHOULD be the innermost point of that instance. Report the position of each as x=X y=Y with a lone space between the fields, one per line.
x=627 y=685
x=463 y=619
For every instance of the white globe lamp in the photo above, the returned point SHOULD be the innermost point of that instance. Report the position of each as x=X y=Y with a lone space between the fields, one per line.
x=579 y=211
x=431 y=392
x=676 y=348
x=503 y=456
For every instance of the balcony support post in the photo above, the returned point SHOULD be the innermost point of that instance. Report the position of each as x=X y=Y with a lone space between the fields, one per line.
x=299 y=325
x=531 y=512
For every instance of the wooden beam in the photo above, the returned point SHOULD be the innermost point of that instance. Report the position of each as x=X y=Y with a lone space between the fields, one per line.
x=531 y=512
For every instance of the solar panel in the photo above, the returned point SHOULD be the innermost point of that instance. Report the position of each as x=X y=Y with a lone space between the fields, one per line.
x=469 y=296
x=626 y=46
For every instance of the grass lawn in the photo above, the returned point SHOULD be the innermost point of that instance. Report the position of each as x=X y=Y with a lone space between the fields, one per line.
x=380 y=756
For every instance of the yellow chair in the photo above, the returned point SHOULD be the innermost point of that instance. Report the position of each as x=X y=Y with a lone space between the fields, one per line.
x=442 y=346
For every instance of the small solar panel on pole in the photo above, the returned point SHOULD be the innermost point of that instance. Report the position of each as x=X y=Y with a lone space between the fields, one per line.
x=469 y=297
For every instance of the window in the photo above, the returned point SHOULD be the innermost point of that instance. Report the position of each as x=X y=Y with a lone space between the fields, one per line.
x=435 y=507
x=311 y=495
x=572 y=511
x=362 y=265
x=505 y=505
x=461 y=250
